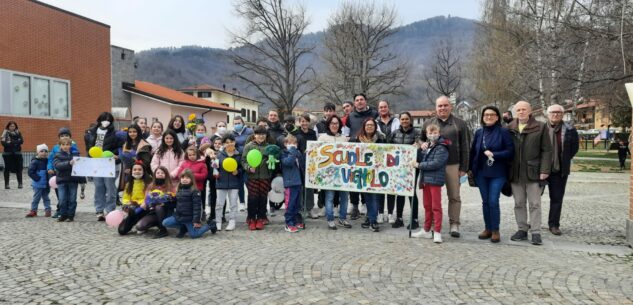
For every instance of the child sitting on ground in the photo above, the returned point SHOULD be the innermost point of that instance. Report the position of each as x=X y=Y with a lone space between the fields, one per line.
x=188 y=208
x=39 y=177
x=133 y=197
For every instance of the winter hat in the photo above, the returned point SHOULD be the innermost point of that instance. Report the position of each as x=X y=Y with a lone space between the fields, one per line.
x=63 y=131
x=42 y=147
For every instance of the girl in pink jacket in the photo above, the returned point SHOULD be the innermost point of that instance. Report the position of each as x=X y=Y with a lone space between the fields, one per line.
x=169 y=154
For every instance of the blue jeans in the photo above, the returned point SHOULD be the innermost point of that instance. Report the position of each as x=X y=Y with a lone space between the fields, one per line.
x=41 y=194
x=67 y=199
x=490 y=189
x=372 y=206
x=329 y=204
x=171 y=222
x=105 y=194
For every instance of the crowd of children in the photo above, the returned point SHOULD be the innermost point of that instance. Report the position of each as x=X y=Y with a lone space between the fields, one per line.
x=168 y=181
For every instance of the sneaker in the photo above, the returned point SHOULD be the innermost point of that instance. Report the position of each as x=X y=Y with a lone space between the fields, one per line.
x=454 y=231
x=336 y=212
x=363 y=209
x=62 y=218
x=379 y=218
x=398 y=224
x=100 y=217
x=161 y=233
x=392 y=219
x=259 y=224
x=536 y=239
x=314 y=213
x=20 y=185
x=252 y=225
x=31 y=214
x=331 y=225
x=423 y=234
x=47 y=214
x=56 y=215
x=218 y=227
x=355 y=213
x=231 y=225
x=291 y=229
x=519 y=235
x=345 y=223
x=374 y=227
x=322 y=212
x=301 y=226
x=437 y=238
x=485 y=234
x=413 y=226
x=365 y=224
x=181 y=232
x=241 y=207
x=212 y=226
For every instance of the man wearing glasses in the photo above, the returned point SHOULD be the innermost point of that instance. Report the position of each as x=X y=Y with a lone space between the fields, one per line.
x=564 y=139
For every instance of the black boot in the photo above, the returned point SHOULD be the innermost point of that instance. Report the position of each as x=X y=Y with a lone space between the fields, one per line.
x=162 y=232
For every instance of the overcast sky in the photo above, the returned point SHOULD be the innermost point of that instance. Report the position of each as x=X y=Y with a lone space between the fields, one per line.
x=144 y=24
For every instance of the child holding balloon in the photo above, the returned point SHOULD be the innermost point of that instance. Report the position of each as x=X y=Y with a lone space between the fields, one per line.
x=228 y=181
x=259 y=176
x=133 y=197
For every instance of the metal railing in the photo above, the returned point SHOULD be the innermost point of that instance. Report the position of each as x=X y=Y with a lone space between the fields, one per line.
x=27 y=156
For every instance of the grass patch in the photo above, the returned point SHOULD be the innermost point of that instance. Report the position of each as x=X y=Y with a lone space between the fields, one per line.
x=597 y=154
x=597 y=166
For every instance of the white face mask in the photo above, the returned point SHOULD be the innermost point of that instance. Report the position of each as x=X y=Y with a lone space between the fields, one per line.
x=105 y=124
x=433 y=138
x=289 y=146
x=137 y=175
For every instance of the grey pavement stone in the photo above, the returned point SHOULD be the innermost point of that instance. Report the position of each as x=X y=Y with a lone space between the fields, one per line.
x=43 y=261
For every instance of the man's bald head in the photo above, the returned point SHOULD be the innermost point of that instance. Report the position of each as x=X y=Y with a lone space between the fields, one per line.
x=522 y=109
x=443 y=107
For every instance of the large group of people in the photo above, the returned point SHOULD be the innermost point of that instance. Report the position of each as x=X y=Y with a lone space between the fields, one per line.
x=169 y=175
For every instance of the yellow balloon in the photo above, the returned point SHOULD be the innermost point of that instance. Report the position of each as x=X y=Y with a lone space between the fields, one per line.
x=229 y=165
x=95 y=152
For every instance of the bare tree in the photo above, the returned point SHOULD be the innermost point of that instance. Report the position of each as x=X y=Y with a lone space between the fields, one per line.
x=270 y=52
x=445 y=74
x=358 y=54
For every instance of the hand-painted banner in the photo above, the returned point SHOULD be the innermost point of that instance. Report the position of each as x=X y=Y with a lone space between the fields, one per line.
x=361 y=167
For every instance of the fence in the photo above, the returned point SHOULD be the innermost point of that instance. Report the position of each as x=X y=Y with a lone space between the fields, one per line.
x=27 y=156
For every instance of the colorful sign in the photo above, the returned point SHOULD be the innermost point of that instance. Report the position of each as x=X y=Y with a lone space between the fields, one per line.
x=361 y=167
x=94 y=167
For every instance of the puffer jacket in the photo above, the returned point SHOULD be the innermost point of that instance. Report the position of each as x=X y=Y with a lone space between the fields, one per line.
x=532 y=151
x=227 y=180
x=292 y=162
x=433 y=165
x=401 y=136
x=168 y=160
x=63 y=169
x=51 y=156
x=188 y=205
x=138 y=193
x=356 y=118
x=262 y=171
x=198 y=168
x=38 y=173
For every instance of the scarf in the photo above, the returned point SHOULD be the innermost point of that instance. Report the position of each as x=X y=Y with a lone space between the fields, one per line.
x=373 y=139
x=554 y=133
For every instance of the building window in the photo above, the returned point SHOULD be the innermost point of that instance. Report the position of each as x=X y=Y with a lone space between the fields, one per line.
x=24 y=94
x=228 y=118
x=254 y=116
x=243 y=113
x=204 y=94
x=248 y=115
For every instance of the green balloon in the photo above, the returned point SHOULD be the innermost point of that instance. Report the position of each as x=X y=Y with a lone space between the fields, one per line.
x=254 y=158
x=107 y=154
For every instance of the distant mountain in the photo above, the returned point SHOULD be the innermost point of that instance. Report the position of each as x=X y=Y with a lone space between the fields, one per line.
x=188 y=65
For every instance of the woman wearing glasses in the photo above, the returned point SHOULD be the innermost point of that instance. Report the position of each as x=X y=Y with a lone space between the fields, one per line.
x=490 y=155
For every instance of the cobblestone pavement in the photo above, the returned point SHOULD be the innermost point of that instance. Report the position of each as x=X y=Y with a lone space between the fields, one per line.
x=42 y=261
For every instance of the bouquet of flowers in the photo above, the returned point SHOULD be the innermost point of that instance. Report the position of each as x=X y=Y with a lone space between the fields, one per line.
x=156 y=197
x=193 y=121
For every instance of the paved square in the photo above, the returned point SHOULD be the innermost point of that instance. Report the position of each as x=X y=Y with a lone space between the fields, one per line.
x=45 y=262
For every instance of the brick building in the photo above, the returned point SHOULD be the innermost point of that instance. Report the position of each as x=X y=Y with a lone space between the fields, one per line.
x=54 y=71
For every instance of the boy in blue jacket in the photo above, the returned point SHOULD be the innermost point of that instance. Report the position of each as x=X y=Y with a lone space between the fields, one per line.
x=292 y=161
x=39 y=177
x=63 y=133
